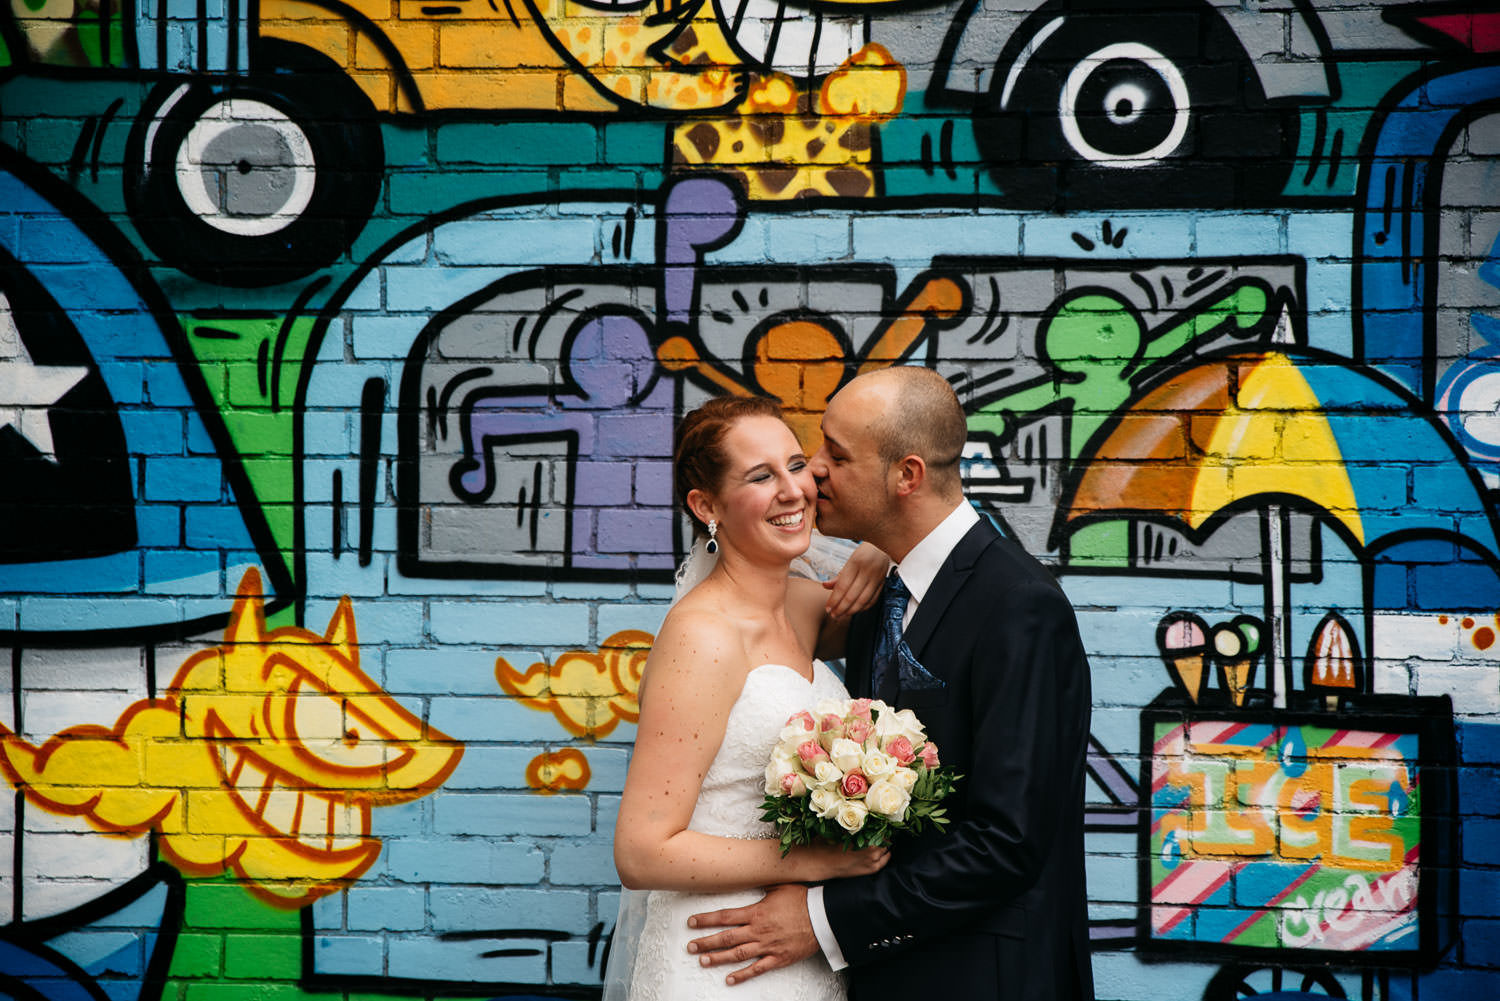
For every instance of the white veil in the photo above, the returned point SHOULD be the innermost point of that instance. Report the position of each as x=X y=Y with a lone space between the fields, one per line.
x=824 y=558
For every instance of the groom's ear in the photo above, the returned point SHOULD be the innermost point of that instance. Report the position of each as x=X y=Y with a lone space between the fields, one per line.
x=911 y=474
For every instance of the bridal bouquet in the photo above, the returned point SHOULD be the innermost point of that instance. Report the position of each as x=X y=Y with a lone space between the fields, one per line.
x=854 y=771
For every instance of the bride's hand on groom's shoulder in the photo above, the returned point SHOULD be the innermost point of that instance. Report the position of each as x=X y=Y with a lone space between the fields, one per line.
x=858 y=584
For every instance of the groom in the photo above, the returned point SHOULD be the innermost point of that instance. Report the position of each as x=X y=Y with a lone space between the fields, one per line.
x=989 y=658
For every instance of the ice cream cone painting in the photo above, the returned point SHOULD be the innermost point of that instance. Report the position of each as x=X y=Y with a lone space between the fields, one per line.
x=1182 y=638
x=1333 y=664
x=1236 y=650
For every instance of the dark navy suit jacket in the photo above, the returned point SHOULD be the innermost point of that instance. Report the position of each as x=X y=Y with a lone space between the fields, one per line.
x=995 y=906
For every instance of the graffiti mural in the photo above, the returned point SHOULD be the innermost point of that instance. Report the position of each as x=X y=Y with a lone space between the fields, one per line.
x=315 y=314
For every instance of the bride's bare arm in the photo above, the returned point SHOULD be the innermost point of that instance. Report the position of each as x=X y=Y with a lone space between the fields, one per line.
x=821 y=612
x=691 y=681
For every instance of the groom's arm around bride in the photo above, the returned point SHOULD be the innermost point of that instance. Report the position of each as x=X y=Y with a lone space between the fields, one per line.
x=995 y=906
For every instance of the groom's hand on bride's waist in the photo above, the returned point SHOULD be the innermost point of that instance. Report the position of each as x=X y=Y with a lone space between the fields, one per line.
x=774 y=932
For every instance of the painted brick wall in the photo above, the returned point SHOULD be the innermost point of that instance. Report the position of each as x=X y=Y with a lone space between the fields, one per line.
x=341 y=355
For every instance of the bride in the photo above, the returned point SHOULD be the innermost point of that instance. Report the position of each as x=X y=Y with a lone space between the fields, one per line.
x=733 y=659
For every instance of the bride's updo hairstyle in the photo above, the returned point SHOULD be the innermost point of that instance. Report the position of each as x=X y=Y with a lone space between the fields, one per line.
x=699 y=461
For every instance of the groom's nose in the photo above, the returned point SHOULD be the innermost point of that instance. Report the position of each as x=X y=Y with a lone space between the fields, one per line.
x=818 y=466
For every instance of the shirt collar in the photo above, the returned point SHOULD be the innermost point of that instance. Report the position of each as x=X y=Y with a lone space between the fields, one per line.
x=927 y=557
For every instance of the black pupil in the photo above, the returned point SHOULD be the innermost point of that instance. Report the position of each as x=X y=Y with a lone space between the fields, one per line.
x=1130 y=123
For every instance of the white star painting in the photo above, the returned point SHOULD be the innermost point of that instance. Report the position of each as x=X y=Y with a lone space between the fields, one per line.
x=29 y=390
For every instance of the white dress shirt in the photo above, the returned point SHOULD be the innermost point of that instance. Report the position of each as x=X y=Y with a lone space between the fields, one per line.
x=917 y=570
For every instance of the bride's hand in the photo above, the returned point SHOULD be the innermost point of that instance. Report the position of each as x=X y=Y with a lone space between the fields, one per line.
x=858 y=584
x=826 y=861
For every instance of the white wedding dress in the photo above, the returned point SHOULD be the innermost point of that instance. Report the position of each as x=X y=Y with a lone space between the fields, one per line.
x=729 y=806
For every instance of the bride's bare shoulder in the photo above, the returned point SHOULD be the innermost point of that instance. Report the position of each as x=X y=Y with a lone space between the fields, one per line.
x=698 y=635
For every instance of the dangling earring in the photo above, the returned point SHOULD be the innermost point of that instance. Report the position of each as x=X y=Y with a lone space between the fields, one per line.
x=712 y=545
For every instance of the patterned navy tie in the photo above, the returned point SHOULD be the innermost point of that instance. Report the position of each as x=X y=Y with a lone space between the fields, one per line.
x=884 y=669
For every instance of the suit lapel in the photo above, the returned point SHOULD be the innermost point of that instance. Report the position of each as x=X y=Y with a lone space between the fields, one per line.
x=861 y=646
x=950 y=578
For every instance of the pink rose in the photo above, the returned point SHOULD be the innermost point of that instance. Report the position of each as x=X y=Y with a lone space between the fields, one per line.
x=793 y=785
x=804 y=719
x=833 y=724
x=901 y=750
x=858 y=730
x=811 y=752
x=861 y=708
x=855 y=784
x=929 y=754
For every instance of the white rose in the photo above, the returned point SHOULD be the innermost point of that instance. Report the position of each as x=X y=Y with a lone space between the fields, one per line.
x=828 y=773
x=830 y=707
x=878 y=765
x=851 y=816
x=879 y=706
x=825 y=801
x=793 y=734
x=778 y=768
x=905 y=778
x=904 y=723
x=846 y=754
x=887 y=799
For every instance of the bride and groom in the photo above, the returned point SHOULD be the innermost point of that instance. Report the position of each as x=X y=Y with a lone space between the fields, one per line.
x=988 y=656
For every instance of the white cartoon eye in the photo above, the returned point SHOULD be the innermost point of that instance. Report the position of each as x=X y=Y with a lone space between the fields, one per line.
x=1126 y=105
x=337 y=733
x=246 y=168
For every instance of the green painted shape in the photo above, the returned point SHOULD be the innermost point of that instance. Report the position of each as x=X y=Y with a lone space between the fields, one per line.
x=261 y=946
x=1362 y=85
x=91 y=39
x=1104 y=544
x=263 y=955
x=237 y=356
x=1099 y=354
x=197 y=955
x=1263 y=933
x=222 y=904
x=93 y=33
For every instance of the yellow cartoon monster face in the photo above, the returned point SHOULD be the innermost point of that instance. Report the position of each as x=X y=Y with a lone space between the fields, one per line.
x=265 y=757
x=306 y=743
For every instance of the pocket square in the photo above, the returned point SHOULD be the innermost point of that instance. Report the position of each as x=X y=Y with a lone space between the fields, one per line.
x=913 y=676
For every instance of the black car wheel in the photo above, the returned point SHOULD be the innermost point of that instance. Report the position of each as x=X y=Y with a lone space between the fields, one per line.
x=257 y=182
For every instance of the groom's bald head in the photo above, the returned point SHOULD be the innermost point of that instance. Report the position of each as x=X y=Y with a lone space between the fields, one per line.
x=914 y=411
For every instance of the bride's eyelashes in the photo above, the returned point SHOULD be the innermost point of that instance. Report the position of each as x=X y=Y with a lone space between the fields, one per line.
x=761 y=474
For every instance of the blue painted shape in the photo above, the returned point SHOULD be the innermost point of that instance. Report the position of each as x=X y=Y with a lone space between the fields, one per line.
x=118 y=328
x=1293 y=752
x=34 y=974
x=1259 y=884
x=1390 y=229
x=1431 y=574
